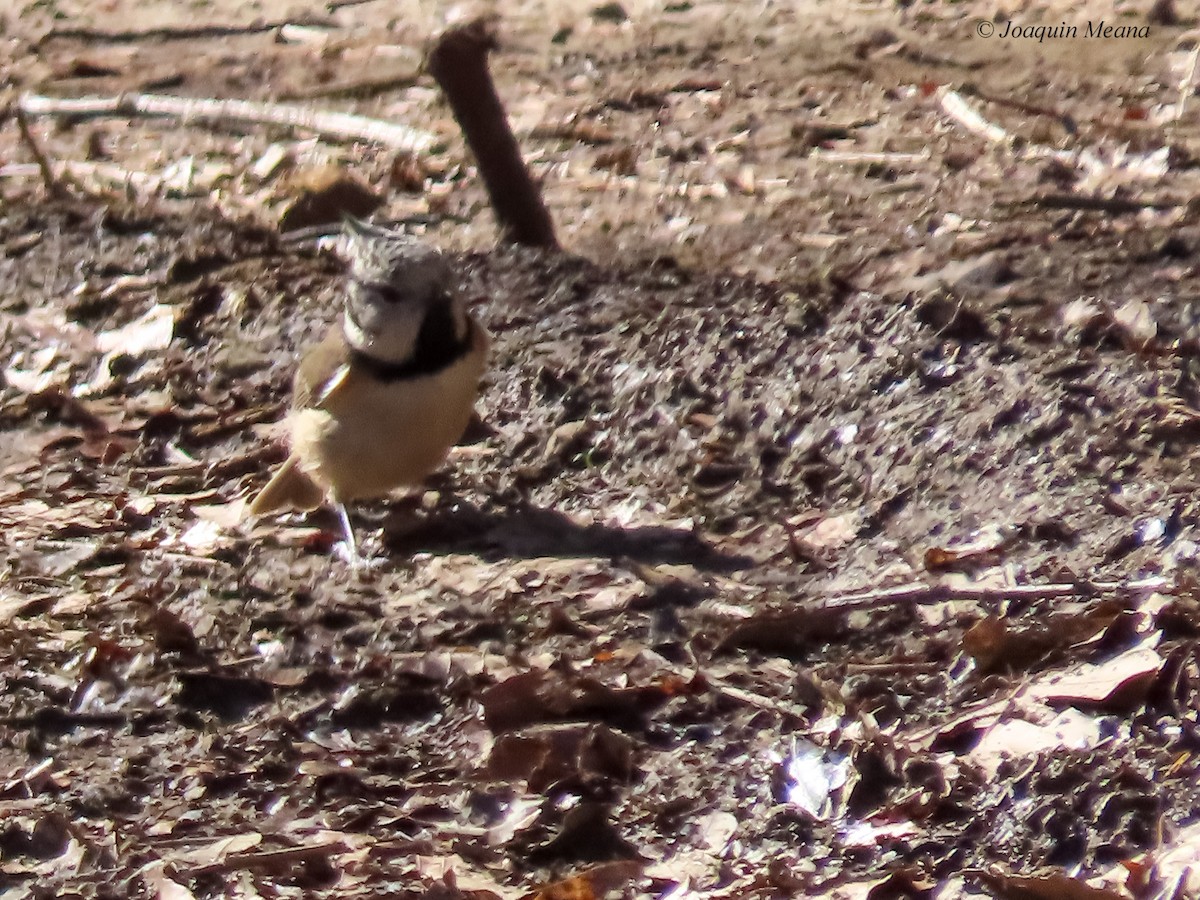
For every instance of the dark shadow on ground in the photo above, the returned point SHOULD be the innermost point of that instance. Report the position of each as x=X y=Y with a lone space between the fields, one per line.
x=528 y=531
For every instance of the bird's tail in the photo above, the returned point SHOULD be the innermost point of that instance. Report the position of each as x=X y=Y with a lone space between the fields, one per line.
x=289 y=488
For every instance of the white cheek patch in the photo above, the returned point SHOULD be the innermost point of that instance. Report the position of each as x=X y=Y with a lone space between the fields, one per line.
x=385 y=332
x=354 y=334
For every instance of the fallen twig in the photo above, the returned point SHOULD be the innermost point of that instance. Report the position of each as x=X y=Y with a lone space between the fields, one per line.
x=205 y=563
x=177 y=34
x=922 y=594
x=1185 y=84
x=865 y=157
x=750 y=698
x=892 y=667
x=53 y=186
x=336 y=126
x=52 y=719
x=957 y=108
x=1115 y=205
x=356 y=87
x=231 y=423
x=1033 y=109
x=80 y=171
x=458 y=62
x=271 y=858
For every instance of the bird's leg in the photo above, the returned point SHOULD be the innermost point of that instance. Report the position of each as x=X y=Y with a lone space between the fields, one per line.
x=348 y=543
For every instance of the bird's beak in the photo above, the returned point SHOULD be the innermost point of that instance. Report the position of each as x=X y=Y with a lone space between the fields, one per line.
x=358 y=228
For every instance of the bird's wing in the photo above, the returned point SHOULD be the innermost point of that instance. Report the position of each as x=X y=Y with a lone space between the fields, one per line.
x=322 y=371
x=289 y=488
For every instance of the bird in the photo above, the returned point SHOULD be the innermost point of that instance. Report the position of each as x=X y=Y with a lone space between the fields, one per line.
x=377 y=404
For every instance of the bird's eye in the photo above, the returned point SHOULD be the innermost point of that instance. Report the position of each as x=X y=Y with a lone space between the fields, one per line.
x=369 y=289
x=387 y=293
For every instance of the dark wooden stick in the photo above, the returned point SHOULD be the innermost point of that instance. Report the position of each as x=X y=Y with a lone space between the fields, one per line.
x=458 y=62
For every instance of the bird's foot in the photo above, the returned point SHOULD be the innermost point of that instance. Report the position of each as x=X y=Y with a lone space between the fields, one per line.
x=347 y=549
x=351 y=556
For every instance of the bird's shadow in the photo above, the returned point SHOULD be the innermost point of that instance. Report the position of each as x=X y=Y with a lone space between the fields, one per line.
x=525 y=532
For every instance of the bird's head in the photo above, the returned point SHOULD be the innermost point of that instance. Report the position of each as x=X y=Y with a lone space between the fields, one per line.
x=397 y=286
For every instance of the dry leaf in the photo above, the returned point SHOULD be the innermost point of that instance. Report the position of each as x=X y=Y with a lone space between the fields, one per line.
x=786 y=631
x=1134 y=318
x=1052 y=885
x=1120 y=683
x=811 y=775
x=831 y=532
x=162 y=887
x=1177 y=862
x=215 y=852
x=980 y=549
x=322 y=196
x=716 y=830
x=1015 y=738
x=152 y=331
x=547 y=754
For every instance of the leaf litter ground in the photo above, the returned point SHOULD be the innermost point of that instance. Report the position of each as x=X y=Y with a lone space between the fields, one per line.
x=602 y=640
